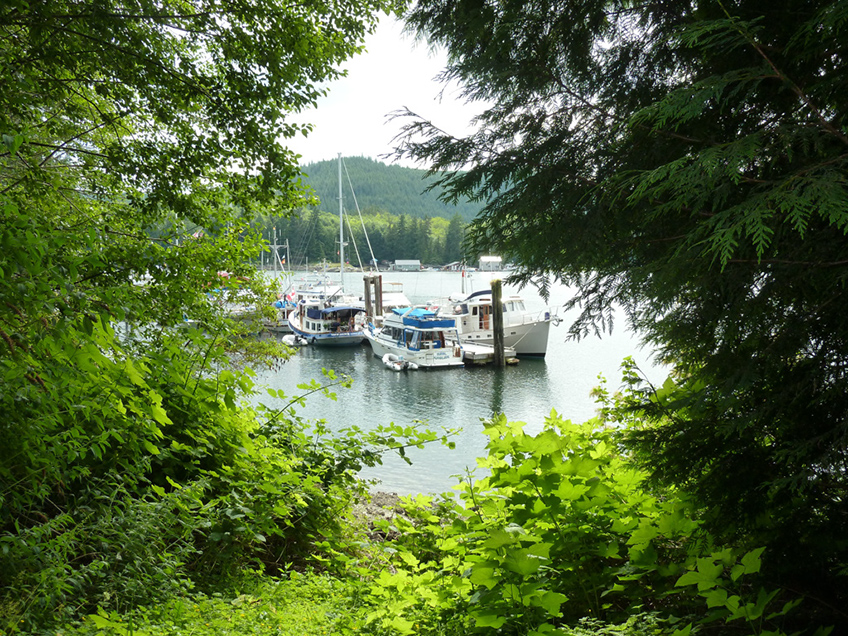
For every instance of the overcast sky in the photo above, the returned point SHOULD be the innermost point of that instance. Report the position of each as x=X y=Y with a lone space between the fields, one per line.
x=394 y=72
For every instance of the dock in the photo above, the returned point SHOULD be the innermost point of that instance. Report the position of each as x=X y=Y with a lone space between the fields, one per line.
x=479 y=354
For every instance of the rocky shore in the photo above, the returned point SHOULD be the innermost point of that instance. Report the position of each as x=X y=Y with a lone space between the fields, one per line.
x=382 y=505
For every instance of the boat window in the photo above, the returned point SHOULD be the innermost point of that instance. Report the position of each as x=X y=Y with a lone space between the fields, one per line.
x=485 y=311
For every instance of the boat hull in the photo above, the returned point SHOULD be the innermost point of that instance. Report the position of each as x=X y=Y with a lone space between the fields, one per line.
x=529 y=340
x=442 y=358
x=344 y=339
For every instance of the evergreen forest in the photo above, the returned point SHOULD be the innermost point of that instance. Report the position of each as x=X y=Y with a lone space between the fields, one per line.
x=389 y=211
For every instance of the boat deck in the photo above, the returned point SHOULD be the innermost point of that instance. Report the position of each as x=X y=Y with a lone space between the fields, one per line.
x=485 y=354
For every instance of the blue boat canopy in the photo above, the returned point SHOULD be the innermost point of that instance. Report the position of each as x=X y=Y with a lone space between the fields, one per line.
x=420 y=312
x=423 y=318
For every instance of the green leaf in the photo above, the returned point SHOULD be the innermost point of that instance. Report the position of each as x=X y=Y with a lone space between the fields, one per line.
x=552 y=601
x=489 y=618
x=523 y=562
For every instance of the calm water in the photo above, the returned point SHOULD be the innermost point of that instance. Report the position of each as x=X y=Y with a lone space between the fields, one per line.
x=457 y=398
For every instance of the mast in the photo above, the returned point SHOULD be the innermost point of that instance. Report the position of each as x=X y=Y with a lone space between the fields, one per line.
x=341 y=226
x=276 y=254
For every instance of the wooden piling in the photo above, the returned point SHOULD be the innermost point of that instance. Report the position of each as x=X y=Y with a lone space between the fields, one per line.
x=498 y=323
x=373 y=296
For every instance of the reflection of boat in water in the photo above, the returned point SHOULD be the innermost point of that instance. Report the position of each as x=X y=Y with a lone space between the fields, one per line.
x=417 y=336
x=525 y=331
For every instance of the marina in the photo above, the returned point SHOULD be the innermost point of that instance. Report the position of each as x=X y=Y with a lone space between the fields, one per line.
x=456 y=398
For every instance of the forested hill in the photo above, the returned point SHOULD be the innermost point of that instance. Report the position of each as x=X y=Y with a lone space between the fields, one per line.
x=394 y=189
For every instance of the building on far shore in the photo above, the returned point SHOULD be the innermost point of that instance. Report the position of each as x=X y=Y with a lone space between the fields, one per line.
x=407 y=266
x=491 y=264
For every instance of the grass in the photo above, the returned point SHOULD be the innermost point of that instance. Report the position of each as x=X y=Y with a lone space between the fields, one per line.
x=301 y=605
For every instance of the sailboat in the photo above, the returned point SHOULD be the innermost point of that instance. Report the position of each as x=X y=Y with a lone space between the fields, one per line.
x=325 y=315
x=285 y=303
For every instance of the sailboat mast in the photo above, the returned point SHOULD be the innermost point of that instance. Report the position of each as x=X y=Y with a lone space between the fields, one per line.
x=341 y=226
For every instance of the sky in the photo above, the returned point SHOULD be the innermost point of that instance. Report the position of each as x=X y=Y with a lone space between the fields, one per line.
x=394 y=72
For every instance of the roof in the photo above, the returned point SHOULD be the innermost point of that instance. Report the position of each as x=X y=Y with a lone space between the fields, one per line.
x=330 y=310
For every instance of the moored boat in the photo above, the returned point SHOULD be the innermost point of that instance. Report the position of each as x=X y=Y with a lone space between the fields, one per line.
x=397 y=363
x=525 y=331
x=322 y=323
x=417 y=336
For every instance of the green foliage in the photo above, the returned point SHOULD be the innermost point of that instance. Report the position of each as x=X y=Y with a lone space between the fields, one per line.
x=314 y=236
x=135 y=138
x=684 y=161
x=103 y=515
x=565 y=535
x=306 y=604
x=377 y=185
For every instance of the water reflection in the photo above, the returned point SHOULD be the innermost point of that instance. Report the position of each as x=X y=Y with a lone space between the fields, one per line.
x=454 y=398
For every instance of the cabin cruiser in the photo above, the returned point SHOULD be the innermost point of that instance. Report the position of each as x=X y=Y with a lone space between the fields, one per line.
x=416 y=338
x=525 y=331
x=320 y=321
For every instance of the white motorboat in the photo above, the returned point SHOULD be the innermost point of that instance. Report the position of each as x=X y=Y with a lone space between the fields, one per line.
x=321 y=322
x=525 y=331
x=416 y=336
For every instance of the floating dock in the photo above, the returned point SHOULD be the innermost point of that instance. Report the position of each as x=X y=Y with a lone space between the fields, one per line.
x=478 y=354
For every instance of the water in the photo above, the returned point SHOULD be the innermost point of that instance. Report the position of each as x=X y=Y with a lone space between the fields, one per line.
x=457 y=398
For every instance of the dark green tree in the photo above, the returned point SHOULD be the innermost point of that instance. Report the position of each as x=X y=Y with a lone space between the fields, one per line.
x=453 y=240
x=399 y=239
x=684 y=160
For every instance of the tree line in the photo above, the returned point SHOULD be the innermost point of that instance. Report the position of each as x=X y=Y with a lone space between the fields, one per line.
x=375 y=184
x=313 y=236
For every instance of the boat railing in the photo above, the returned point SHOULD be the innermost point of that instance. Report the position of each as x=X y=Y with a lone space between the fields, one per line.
x=548 y=314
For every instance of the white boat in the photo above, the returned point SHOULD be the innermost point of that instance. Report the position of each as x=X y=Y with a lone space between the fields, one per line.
x=294 y=341
x=525 y=331
x=305 y=289
x=283 y=308
x=397 y=363
x=393 y=297
x=418 y=337
x=321 y=322
x=324 y=315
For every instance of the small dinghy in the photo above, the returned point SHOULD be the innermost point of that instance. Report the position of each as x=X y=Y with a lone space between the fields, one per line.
x=293 y=340
x=397 y=363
